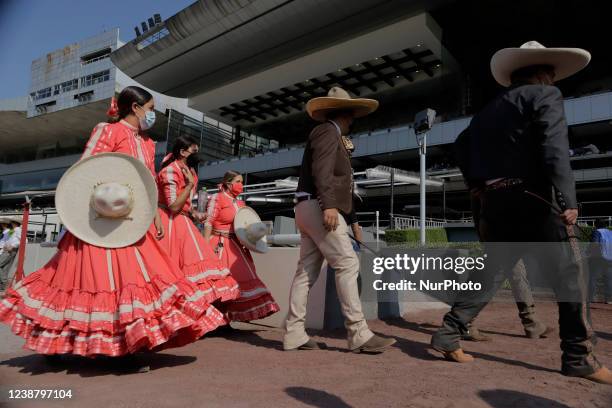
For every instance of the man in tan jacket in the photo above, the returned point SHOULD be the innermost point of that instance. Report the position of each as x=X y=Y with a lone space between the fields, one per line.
x=325 y=192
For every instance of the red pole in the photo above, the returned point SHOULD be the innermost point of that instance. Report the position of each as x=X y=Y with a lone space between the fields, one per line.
x=22 y=243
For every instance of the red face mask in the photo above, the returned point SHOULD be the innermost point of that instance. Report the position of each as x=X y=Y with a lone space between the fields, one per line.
x=236 y=189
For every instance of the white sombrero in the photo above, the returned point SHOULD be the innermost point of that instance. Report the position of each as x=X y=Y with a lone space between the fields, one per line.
x=565 y=61
x=250 y=230
x=338 y=99
x=108 y=200
x=14 y=218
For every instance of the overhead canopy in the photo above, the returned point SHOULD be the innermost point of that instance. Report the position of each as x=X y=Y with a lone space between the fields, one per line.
x=250 y=61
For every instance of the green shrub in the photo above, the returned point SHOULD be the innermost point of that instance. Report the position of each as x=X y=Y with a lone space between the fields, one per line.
x=433 y=235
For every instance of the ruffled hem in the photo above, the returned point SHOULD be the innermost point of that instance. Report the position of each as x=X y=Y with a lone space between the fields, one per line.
x=158 y=315
x=54 y=308
x=218 y=285
x=174 y=330
x=252 y=309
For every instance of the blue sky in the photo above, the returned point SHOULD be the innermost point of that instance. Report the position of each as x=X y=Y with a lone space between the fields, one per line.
x=31 y=28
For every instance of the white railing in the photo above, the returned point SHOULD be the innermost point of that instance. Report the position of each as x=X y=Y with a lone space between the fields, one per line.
x=401 y=223
x=404 y=222
x=590 y=221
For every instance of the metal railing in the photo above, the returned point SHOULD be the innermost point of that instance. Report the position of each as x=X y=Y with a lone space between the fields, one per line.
x=402 y=223
x=409 y=222
x=43 y=225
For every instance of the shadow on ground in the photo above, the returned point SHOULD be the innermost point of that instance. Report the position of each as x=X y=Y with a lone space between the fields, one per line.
x=316 y=398
x=511 y=399
x=36 y=364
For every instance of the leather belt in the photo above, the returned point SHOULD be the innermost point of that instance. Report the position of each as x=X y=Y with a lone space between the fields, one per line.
x=497 y=185
x=182 y=212
x=225 y=234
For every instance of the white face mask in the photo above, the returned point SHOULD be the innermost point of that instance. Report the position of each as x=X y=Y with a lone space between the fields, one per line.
x=148 y=121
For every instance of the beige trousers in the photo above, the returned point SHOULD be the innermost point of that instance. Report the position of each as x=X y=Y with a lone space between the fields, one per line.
x=317 y=244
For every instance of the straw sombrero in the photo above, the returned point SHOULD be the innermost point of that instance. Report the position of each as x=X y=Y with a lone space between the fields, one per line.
x=565 y=61
x=336 y=99
x=14 y=218
x=107 y=200
x=250 y=231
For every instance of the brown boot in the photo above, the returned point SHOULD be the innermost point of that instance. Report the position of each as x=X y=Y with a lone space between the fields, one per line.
x=458 y=356
x=474 y=334
x=602 y=376
x=547 y=331
x=376 y=344
x=309 y=345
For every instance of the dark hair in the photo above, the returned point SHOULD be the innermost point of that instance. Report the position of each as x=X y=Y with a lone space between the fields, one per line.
x=229 y=176
x=524 y=74
x=600 y=223
x=128 y=96
x=182 y=142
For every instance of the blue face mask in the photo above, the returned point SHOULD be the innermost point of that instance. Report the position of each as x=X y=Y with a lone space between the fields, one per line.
x=148 y=121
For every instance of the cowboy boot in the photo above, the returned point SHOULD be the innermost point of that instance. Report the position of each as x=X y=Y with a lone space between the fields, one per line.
x=376 y=344
x=601 y=376
x=473 y=334
x=457 y=356
x=534 y=329
x=309 y=345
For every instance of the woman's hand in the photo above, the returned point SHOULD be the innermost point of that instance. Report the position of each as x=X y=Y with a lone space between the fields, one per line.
x=159 y=227
x=188 y=177
x=198 y=216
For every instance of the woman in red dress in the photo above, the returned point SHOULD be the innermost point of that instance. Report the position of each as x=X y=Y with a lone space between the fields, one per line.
x=89 y=300
x=255 y=301
x=177 y=181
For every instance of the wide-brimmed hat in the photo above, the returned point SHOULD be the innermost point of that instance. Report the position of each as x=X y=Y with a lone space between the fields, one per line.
x=250 y=230
x=338 y=99
x=565 y=61
x=107 y=200
x=12 y=218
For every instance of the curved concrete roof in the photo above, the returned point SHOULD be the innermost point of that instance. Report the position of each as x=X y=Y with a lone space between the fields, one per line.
x=211 y=43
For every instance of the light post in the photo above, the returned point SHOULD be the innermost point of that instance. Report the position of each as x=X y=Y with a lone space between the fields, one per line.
x=423 y=121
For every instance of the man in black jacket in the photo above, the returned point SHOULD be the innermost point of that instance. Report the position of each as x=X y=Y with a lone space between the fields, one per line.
x=515 y=158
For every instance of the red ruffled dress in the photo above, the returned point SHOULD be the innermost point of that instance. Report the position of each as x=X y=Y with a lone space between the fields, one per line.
x=89 y=300
x=185 y=243
x=255 y=301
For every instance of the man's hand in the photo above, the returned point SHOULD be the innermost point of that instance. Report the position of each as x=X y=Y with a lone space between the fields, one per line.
x=569 y=216
x=330 y=219
x=357 y=232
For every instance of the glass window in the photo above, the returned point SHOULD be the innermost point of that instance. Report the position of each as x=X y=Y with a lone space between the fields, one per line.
x=41 y=94
x=95 y=56
x=98 y=77
x=69 y=85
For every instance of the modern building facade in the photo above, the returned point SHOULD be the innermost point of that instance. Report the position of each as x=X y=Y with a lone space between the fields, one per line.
x=246 y=106
x=44 y=133
x=409 y=55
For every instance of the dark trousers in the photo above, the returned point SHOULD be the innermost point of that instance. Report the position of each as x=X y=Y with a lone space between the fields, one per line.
x=521 y=288
x=511 y=215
